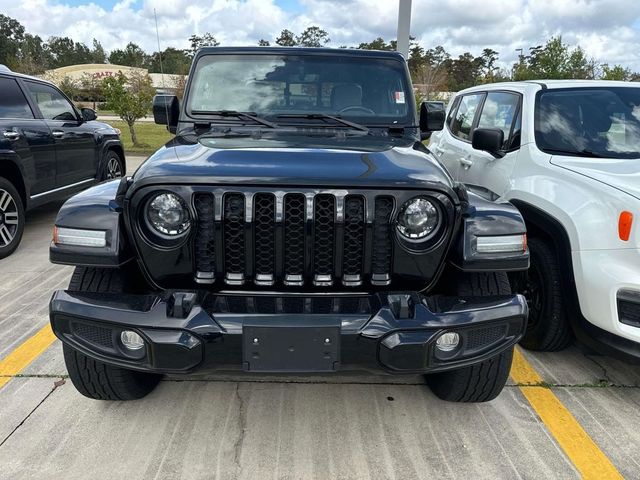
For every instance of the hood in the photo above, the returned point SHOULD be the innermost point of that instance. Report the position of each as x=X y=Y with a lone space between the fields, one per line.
x=622 y=174
x=364 y=161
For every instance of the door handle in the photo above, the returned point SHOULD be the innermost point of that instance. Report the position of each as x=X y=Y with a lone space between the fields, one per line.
x=11 y=136
x=466 y=162
x=57 y=134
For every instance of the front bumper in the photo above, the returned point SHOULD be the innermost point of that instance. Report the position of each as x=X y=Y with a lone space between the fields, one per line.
x=186 y=332
x=604 y=279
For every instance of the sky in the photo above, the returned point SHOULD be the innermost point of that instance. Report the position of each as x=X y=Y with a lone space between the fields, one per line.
x=608 y=30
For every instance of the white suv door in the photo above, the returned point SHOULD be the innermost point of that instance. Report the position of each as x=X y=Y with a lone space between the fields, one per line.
x=453 y=145
x=500 y=110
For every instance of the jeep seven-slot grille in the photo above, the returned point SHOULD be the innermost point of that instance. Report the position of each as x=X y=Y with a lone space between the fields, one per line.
x=295 y=239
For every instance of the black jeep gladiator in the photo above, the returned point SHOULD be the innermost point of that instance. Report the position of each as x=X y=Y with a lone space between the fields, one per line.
x=296 y=223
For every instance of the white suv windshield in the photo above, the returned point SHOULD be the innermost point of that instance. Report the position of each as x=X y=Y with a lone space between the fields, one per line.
x=589 y=122
x=367 y=89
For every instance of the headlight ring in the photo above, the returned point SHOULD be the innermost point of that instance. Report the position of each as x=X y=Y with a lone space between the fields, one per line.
x=419 y=219
x=167 y=214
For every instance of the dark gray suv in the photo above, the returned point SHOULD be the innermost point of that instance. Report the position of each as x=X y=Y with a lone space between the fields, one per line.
x=48 y=149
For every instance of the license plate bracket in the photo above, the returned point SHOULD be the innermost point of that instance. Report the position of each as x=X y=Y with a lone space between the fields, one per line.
x=291 y=349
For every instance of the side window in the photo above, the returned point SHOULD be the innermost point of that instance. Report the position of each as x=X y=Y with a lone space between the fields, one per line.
x=463 y=120
x=13 y=103
x=499 y=111
x=51 y=102
x=453 y=109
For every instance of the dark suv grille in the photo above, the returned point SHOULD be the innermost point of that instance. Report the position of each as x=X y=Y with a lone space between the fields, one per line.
x=293 y=239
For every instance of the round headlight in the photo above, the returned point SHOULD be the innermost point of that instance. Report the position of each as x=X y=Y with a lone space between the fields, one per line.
x=418 y=218
x=168 y=214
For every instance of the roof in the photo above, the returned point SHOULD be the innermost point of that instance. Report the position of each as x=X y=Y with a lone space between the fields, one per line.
x=300 y=51
x=552 y=84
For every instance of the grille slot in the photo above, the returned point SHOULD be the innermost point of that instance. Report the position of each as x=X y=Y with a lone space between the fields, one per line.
x=294 y=207
x=381 y=258
x=234 y=236
x=205 y=237
x=264 y=231
x=354 y=228
x=293 y=239
x=324 y=237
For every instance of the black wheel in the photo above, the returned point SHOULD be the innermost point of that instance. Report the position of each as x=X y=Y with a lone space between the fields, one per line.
x=12 y=218
x=113 y=166
x=95 y=379
x=483 y=381
x=548 y=328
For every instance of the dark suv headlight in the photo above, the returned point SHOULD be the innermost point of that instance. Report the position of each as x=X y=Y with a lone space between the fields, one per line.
x=418 y=219
x=168 y=214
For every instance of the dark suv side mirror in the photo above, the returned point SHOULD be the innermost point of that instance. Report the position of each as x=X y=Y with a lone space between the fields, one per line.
x=88 y=114
x=489 y=140
x=166 y=110
x=432 y=115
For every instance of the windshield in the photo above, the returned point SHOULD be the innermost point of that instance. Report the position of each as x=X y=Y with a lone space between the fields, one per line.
x=590 y=122
x=368 y=90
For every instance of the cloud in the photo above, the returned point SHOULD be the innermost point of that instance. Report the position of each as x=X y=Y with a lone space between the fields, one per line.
x=608 y=30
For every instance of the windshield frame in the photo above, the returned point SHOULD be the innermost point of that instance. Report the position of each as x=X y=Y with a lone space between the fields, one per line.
x=408 y=121
x=584 y=153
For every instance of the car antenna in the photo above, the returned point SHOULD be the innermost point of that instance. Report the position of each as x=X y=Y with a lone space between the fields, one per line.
x=164 y=87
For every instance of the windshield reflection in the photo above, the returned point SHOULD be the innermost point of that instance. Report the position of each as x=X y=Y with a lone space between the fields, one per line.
x=590 y=122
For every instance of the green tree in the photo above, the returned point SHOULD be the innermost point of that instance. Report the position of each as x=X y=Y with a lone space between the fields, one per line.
x=199 y=41
x=555 y=60
x=313 y=37
x=617 y=72
x=63 y=51
x=98 y=55
x=11 y=36
x=33 y=58
x=129 y=97
x=131 y=56
x=463 y=72
x=489 y=58
x=69 y=87
x=286 y=39
x=263 y=43
x=376 y=44
x=174 y=61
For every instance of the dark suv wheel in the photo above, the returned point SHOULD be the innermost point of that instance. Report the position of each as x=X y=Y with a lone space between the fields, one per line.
x=11 y=218
x=113 y=166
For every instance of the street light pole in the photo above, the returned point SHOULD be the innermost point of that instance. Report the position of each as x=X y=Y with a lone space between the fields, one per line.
x=404 y=25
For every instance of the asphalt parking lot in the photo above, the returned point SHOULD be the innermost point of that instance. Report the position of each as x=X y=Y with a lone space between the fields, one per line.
x=564 y=415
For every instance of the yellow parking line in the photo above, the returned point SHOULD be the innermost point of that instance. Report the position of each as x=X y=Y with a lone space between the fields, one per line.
x=26 y=353
x=585 y=455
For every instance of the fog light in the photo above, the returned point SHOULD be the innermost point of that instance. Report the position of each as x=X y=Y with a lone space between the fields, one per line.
x=448 y=341
x=131 y=340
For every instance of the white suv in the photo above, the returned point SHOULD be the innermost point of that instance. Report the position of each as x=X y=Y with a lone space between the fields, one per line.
x=567 y=154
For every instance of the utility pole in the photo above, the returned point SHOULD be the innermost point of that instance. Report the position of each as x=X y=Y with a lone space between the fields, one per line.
x=404 y=26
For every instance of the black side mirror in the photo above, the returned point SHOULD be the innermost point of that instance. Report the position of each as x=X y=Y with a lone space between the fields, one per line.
x=166 y=110
x=432 y=115
x=489 y=140
x=88 y=114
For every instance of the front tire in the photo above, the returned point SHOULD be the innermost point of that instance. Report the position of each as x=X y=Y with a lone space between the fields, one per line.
x=95 y=379
x=12 y=218
x=483 y=381
x=113 y=166
x=548 y=329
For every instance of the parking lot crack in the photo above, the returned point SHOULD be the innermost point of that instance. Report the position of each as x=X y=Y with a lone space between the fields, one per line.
x=242 y=427
x=56 y=384
x=602 y=367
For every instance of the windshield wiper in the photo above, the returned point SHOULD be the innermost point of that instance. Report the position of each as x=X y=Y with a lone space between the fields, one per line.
x=234 y=113
x=580 y=153
x=322 y=116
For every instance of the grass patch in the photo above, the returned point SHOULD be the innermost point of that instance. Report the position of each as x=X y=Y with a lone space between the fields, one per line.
x=150 y=136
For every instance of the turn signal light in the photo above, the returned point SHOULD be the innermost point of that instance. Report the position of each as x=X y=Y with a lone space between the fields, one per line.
x=624 y=225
